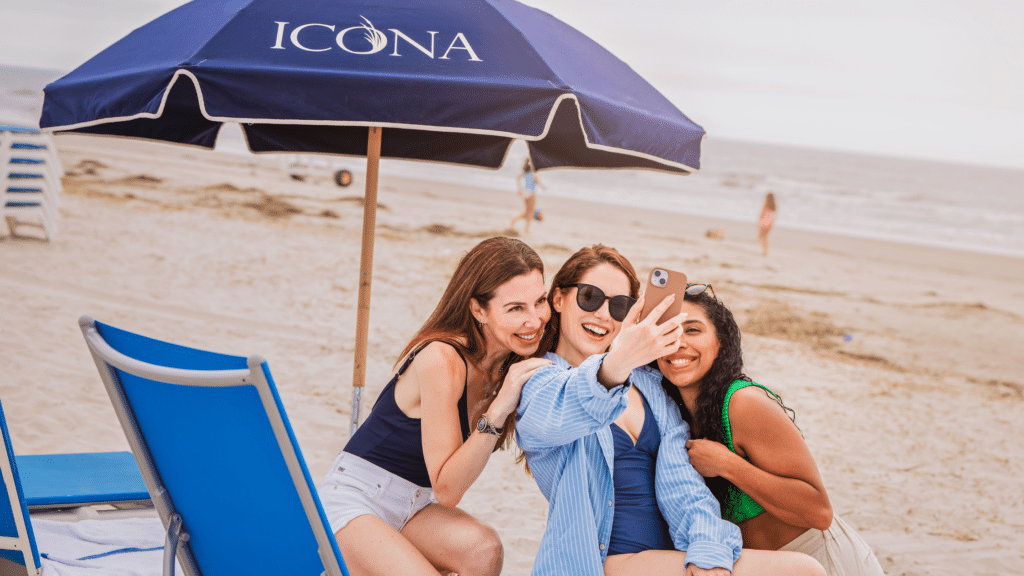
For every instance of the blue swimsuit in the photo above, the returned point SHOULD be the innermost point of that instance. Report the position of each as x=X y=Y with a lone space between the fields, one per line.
x=638 y=524
x=394 y=441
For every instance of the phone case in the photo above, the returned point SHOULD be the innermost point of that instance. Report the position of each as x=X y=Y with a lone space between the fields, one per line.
x=660 y=284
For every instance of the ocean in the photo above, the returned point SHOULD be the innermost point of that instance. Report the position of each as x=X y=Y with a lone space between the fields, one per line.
x=967 y=207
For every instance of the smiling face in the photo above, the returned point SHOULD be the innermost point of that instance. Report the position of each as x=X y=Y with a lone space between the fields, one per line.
x=698 y=349
x=515 y=316
x=583 y=334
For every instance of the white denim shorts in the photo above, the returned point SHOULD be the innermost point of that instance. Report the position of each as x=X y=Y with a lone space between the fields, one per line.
x=355 y=487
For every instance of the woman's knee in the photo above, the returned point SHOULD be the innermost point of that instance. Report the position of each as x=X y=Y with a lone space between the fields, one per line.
x=800 y=564
x=808 y=566
x=769 y=563
x=479 y=547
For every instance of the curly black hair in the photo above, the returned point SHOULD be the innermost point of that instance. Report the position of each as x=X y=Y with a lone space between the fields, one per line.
x=706 y=422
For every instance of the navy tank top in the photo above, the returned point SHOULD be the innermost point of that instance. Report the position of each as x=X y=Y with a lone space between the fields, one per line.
x=638 y=524
x=394 y=441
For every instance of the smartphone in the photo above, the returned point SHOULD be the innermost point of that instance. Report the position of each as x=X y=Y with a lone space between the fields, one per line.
x=660 y=284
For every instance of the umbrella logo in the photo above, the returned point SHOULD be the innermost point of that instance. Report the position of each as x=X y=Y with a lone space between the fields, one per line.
x=377 y=39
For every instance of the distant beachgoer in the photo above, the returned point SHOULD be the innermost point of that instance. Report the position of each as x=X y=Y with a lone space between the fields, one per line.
x=748 y=448
x=527 y=185
x=390 y=496
x=765 y=224
x=715 y=233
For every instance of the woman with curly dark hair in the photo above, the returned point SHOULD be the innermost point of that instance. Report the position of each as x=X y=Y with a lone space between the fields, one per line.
x=747 y=446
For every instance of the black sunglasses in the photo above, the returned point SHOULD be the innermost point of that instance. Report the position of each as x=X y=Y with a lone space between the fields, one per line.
x=590 y=298
x=698 y=289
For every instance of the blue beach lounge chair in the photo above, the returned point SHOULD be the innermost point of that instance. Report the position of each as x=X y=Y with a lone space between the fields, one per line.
x=211 y=437
x=51 y=484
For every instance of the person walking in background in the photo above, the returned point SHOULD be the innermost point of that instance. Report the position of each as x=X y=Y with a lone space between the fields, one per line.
x=767 y=219
x=527 y=184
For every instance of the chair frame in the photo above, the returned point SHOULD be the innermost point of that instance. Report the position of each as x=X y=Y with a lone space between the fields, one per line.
x=24 y=541
x=107 y=358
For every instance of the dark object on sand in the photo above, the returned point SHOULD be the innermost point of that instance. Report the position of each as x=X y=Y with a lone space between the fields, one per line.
x=343 y=178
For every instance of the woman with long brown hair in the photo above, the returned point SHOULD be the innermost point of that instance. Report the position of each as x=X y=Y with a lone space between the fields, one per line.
x=390 y=496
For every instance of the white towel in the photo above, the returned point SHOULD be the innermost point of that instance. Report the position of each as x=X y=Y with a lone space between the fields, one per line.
x=122 y=547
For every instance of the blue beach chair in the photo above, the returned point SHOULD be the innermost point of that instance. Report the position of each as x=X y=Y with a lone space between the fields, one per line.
x=211 y=437
x=48 y=482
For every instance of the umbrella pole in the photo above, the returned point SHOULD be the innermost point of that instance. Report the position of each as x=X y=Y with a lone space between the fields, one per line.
x=365 y=271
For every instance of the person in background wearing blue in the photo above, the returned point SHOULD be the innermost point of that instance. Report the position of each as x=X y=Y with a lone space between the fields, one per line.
x=527 y=184
x=606 y=445
x=390 y=496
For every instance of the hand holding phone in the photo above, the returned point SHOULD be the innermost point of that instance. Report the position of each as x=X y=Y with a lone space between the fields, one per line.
x=643 y=341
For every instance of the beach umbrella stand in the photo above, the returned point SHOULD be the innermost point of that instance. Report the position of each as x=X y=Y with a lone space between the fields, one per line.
x=449 y=82
x=365 y=273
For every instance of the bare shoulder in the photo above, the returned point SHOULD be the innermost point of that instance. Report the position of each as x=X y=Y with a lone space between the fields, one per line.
x=753 y=398
x=439 y=366
x=752 y=411
x=766 y=435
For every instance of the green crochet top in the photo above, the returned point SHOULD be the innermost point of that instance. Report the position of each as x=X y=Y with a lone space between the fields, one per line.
x=738 y=506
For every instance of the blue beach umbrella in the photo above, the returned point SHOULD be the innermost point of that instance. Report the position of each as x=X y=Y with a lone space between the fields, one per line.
x=452 y=81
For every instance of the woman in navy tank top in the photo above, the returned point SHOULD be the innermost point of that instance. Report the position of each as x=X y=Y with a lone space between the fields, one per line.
x=391 y=495
x=606 y=444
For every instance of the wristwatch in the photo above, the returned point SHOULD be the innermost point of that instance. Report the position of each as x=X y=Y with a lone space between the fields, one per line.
x=485 y=425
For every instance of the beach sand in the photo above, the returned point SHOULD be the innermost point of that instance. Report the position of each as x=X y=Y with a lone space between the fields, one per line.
x=900 y=361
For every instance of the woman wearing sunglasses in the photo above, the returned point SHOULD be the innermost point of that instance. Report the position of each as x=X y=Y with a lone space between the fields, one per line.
x=751 y=452
x=390 y=496
x=606 y=445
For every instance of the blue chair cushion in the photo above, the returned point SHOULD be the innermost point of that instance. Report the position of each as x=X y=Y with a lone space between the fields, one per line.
x=54 y=480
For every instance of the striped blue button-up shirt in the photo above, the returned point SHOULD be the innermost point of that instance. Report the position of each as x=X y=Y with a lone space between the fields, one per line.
x=563 y=424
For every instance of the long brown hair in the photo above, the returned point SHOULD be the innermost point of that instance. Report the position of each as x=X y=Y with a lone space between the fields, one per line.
x=769 y=202
x=570 y=273
x=478 y=275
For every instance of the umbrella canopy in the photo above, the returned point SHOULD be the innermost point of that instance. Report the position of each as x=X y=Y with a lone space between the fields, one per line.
x=454 y=81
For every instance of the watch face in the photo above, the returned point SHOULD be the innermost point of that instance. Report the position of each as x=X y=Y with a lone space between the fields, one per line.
x=481 y=424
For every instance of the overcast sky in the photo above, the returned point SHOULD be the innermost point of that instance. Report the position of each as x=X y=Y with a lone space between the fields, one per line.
x=940 y=79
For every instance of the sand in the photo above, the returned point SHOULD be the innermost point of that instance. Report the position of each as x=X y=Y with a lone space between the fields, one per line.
x=900 y=361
